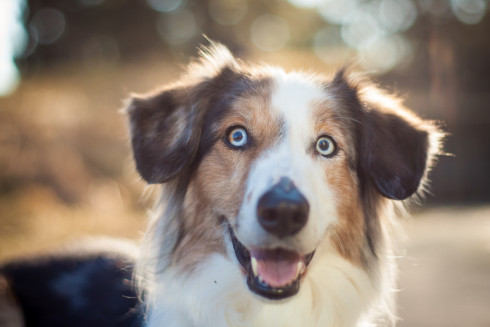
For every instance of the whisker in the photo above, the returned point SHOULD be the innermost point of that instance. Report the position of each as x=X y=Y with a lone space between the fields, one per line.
x=348 y=118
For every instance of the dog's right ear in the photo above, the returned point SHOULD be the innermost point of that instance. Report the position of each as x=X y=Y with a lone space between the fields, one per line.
x=164 y=134
x=166 y=126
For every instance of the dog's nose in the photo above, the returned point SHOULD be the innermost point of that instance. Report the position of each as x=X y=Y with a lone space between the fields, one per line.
x=283 y=210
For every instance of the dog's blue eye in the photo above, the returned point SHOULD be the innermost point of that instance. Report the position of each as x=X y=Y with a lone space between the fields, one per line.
x=326 y=146
x=238 y=137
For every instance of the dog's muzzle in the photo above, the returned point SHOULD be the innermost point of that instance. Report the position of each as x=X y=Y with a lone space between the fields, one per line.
x=276 y=273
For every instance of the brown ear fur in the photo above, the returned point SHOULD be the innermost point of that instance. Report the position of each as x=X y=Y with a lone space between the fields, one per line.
x=395 y=146
x=172 y=128
x=165 y=134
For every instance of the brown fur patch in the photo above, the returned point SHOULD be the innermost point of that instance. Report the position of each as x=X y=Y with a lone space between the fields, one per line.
x=347 y=235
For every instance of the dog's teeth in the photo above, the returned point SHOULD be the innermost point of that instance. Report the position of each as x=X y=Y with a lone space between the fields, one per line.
x=254 y=267
x=300 y=269
x=260 y=279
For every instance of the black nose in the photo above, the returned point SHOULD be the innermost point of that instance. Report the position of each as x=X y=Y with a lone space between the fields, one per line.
x=283 y=210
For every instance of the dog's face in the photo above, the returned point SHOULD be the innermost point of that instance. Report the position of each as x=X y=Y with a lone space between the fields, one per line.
x=280 y=164
x=281 y=172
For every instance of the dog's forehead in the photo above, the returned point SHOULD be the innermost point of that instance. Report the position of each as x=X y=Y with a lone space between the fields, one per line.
x=286 y=99
x=294 y=97
x=297 y=100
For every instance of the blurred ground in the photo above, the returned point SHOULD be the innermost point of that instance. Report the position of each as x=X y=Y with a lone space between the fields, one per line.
x=66 y=172
x=445 y=274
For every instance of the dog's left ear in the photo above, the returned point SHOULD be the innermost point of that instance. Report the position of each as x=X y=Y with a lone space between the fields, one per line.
x=396 y=146
x=395 y=151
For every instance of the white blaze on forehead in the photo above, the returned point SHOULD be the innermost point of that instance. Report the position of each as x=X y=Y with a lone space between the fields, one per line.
x=293 y=98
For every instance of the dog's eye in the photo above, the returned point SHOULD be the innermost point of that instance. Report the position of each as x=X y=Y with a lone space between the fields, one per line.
x=237 y=137
x=326 y=146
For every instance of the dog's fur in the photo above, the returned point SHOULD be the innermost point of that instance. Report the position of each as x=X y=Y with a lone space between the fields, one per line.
x=188 y=267
x=83 y=284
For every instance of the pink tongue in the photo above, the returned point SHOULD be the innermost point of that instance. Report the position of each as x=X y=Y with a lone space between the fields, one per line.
x=277 y=273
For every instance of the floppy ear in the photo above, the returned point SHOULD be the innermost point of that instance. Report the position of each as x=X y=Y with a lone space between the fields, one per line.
x=165 y=133
x=167 y=126
x=395 y=152
x=396 y=147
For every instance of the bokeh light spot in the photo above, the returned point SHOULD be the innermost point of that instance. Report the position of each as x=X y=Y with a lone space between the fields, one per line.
x=165 y=5
x=305 y=3
x=469 y=11
x=49 y=24
x=397 y=15
x=13 y=40
x=227 y=12
x=178 y=27
x=383 y=54
x=439 y=10
x=328 y=46
x=334 y=11
x=33 y=42
x=269 y=33
x=359 y=28
x=10 y=76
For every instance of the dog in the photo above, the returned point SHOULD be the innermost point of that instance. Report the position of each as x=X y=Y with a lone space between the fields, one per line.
x=280 y=195
x=279 y=199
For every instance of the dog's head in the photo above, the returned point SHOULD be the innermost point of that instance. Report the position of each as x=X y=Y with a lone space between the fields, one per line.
x=273 y=166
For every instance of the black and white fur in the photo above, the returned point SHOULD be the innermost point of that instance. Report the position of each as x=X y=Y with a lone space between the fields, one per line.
x=197 y=264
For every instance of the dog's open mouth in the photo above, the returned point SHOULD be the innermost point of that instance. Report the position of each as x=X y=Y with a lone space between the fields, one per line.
x=274 y=274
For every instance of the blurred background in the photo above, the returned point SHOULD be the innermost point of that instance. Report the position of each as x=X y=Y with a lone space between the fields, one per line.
x=67 y=65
